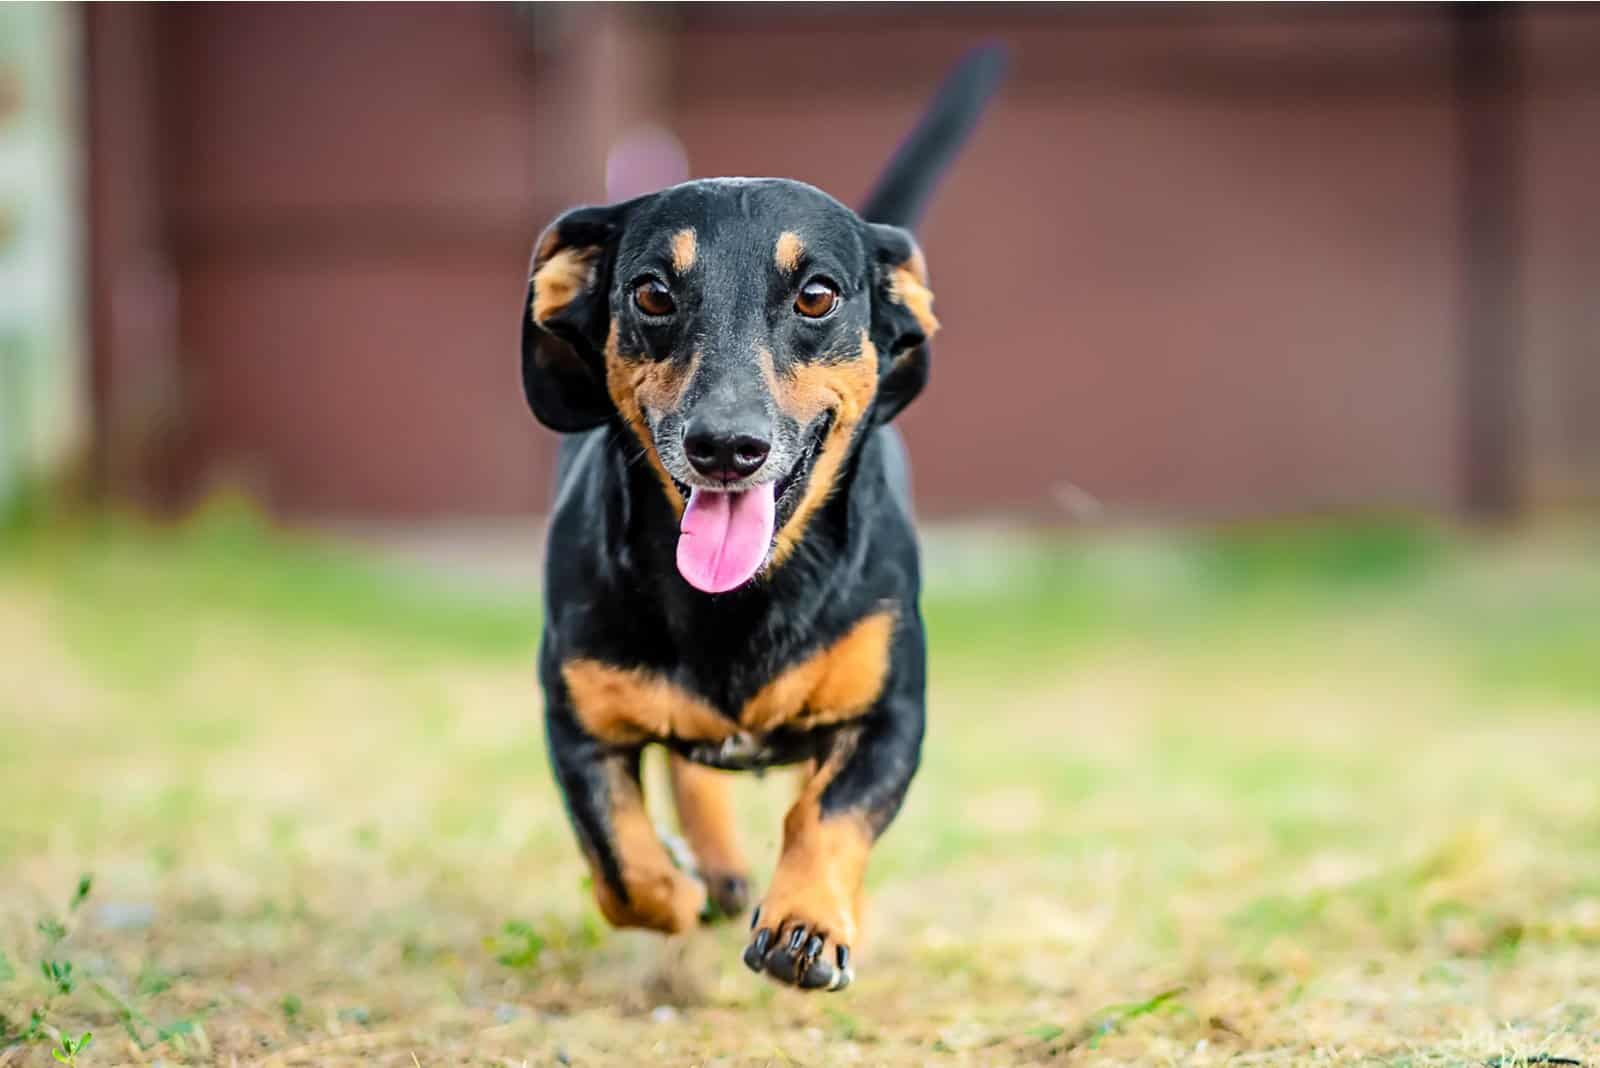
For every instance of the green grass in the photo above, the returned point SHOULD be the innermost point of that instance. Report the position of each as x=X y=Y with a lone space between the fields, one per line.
x=1274 y=795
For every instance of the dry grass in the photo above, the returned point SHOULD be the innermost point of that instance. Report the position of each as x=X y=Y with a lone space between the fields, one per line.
x=1181 y=805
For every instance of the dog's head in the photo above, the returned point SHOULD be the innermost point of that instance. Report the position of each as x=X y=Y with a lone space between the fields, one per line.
x=747 y=331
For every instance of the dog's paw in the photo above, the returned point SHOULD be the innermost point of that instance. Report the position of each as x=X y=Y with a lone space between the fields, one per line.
x=805 y=951
x=727 y=895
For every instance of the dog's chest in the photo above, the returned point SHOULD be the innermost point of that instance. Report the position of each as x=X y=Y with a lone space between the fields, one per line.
x=632 y=705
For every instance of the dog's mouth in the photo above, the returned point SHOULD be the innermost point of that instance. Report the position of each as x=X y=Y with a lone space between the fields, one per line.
x=726 y=535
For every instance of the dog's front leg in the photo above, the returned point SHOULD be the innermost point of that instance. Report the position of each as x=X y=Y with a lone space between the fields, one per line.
x=636 y=884
x=809 y=921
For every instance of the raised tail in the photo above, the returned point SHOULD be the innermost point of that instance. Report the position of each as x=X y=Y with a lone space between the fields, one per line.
x=903 y=191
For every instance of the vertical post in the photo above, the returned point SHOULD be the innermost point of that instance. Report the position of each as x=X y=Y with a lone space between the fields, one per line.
x=1487 y=104
x=132 y=321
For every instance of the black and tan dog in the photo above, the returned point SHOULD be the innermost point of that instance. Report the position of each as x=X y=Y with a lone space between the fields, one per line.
x=732 y=570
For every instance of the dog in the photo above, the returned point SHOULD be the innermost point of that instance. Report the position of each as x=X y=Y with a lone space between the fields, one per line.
x=731 y=566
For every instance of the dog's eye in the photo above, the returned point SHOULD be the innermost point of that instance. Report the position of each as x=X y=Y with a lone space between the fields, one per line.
x=817 y=298
x=653 y=297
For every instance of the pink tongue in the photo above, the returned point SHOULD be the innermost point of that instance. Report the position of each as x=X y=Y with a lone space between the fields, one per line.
x=724 y=537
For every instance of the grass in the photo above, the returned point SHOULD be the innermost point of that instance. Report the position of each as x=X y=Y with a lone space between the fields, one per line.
x=1260 y=797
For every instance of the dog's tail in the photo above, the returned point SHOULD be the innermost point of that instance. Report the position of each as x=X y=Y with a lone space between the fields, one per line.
x=902 y=193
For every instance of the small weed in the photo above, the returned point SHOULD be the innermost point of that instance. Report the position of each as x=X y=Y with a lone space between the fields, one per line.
x=177 y=1030
x=519 y=945
x=62 y=978
x=69 y=1048
x=152 y=980
x=58 y=974
x=1110 y=1019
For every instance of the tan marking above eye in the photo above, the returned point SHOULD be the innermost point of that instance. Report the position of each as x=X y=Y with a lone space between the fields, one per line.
x=788 y=250
x=816 y=298
x=685 y=247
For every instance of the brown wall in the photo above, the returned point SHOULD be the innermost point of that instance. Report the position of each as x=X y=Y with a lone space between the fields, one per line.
x=1200 y=264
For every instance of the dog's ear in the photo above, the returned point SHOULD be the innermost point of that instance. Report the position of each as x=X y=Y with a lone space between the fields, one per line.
x=902 y=318
x=566 y=318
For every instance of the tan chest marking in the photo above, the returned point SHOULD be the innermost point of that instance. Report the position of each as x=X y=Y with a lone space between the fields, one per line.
x=838 y=683
x=630 y=706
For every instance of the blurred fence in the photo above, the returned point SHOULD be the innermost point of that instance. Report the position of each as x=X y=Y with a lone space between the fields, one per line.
x=1201 y=261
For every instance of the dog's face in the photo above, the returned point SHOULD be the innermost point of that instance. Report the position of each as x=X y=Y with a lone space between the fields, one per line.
x=746 y=331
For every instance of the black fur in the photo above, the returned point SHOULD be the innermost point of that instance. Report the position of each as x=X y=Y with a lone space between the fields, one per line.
x=613 y=592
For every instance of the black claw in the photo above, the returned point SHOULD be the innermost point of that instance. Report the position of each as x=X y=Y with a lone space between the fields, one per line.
x=782 y=965
x=843 y=954
x=755 y=918
x=816 y=977
x=755 y=953
x=797 y=938
x=813 y=948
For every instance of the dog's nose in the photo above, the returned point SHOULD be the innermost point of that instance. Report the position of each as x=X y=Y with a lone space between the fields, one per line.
x=724 y=454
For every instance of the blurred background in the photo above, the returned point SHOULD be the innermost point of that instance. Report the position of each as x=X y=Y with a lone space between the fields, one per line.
x=1264 y=664
x=1197 y=262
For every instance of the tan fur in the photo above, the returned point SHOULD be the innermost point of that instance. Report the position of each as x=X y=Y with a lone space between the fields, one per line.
x=820 y=871
x=558 y=279
x=909 y=286
x=846 y=388
x=634 y=383
x=684 y=249
x=659 y=896
x=788 y=250
x=703 y=798
x=841 y=682
x=630 y=706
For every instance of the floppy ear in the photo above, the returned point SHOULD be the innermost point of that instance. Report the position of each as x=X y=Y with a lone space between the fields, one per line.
x=566 y=318
x=902 y=318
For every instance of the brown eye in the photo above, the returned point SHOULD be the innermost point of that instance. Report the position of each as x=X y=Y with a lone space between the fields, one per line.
x=653 y=297
x=817 y=298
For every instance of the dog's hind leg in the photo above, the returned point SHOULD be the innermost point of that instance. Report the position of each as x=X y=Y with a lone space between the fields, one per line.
x=703 y=797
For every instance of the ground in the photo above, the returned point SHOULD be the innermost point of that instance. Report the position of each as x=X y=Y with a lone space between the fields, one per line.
x=1259 y=797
